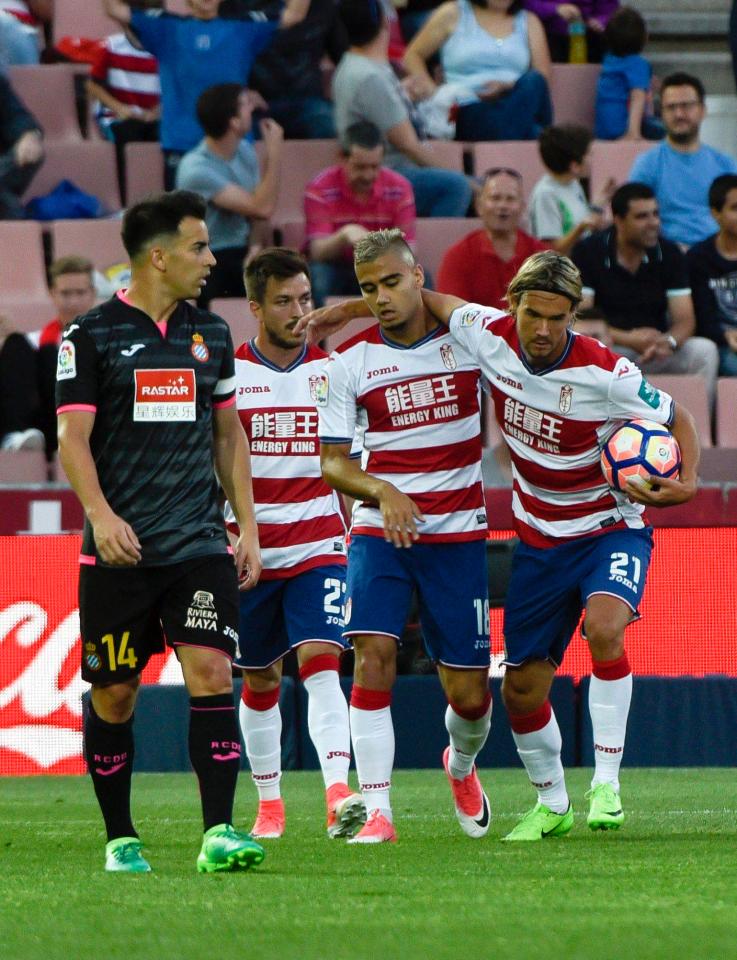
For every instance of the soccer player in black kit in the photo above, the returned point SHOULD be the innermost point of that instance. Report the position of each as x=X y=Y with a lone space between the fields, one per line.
x=147 y=416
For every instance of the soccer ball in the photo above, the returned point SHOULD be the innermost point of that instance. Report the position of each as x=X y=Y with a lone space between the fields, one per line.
x=641 y=450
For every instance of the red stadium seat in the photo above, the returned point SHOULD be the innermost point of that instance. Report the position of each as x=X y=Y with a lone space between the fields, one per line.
x=520 y=155
x=144 y=170
x=435 y=235
x=613 y=158
x=573 y=92
x=75 y=19
x=302 y=160
x=99 y=240
x=689 y=390
x=293 y=234
x=24 y=297
x=89 y=164
x=28 y=316
x=726 y=426
x=23 y=466
x=447 y=153
x=237 y=314
x=48 y=92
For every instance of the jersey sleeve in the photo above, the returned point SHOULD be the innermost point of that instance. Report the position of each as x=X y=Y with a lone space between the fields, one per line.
x=224 y=393
x=151 y=27
x=336 y=403
x=631 y=397
x=77 y=372
x=468 y=327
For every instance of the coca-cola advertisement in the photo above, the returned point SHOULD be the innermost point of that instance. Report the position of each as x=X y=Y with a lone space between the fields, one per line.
x=689 y=617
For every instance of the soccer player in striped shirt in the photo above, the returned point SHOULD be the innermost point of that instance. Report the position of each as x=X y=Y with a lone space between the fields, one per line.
x=298 y=604
x=584 y=547
x=414 y=396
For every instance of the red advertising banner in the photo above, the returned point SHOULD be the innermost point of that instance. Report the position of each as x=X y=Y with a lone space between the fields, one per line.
x=688 y=626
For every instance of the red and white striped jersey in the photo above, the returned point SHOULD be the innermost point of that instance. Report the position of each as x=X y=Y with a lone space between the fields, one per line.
x=299 y=520
x=20 y=11
x=417 y=411
x=555 y=421
x=130 y=74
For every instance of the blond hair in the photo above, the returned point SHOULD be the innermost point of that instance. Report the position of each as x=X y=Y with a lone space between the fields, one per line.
x=379 y=242
x=550 y=272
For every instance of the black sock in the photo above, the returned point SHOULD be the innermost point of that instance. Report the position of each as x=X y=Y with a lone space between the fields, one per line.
x=108 y=750
x=215 y=752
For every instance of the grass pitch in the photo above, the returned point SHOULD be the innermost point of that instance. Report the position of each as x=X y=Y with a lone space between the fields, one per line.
x=665 y=886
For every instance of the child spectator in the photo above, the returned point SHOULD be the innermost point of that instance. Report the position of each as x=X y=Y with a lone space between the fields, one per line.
x=623 y=88
x=559 y=212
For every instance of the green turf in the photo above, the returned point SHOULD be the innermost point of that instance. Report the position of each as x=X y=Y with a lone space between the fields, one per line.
x=664 y=886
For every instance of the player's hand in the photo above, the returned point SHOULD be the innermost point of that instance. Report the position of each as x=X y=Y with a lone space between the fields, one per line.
x=247 y=554
x=667 y=492
x=116 y=541
x=400 y=515
x=322 y=322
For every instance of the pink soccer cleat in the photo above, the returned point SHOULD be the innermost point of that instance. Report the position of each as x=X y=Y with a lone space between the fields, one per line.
x=471 y=803
x=377 y=830
x=271 y=820
x=346 y=810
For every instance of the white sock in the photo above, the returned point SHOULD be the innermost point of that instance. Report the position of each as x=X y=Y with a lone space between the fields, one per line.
x=467 y=737
x=372 y=733
x=539 y=751
x=327 y=721
x=262 y=736
x=609 y=706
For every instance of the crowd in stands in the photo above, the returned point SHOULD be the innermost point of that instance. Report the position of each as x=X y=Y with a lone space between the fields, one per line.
x=222 y=85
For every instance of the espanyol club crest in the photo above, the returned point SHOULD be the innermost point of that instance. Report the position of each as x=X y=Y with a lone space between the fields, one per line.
x=199 y=348
x=566 y=398
x=448 y=357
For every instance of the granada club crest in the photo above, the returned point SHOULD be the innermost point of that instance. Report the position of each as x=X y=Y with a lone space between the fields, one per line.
x=199 y=348
x=566 y=398
x=448 y=357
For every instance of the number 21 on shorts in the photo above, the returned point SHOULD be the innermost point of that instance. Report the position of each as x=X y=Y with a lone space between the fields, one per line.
x=120 y=655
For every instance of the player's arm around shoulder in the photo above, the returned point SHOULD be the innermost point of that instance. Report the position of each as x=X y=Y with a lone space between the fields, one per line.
x=233 y=467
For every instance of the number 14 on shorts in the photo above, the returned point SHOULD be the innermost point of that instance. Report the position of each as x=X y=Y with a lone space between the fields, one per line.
x=120 y=654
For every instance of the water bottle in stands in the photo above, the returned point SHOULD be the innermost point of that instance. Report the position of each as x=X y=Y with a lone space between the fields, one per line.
x=577 y=47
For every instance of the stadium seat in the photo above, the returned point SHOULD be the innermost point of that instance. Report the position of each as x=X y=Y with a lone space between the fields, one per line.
x=22 y=270
x=613 y=158
x=48 y=92
x=237 y=314
x=88 y=164
x=573 y=92
x=75 y=19
x=144 y=170
x=292 y=234
x=97 y=239
x=718 y=465
x=447 y=153
x=520 y=155
x=28 y=316
x=689 y=390
x=23 y=466
x=302 y=160
x=435 y=235
x=354 y=327
x=726 y=425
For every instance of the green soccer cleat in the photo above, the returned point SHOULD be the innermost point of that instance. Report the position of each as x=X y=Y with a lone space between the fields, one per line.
x=541 y=822
x=605 y=808
x=123 y=855
x=225 y=848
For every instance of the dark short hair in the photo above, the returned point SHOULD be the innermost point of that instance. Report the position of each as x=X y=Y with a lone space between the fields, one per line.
x=282 y=263
x=514 y=7
x=623 y=195
x=681 y=79
x=217 y=106
x=362 y=134
x=562 y=145
x=719 y=189
x=363 y=20
x=625 y=33
x=158 y=215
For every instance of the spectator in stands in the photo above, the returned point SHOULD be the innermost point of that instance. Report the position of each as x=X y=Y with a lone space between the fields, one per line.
x=496 y=68
x=712 y=267
x=559 y=211
x=194 y=53
x=72 y=289
x=623 y=97
x=124 y=84
x=224 y=169
x=480 y=266
x=347 y=201
x=18 y=394
x=366 y=88
x=557 y=19
x=288 y=74
x=639 y=281
x=681 y=168
x=21 y=151
x=21 y=34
